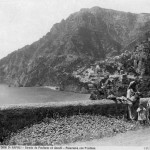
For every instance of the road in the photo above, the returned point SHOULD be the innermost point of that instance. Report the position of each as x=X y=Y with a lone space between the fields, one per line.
x=140 y=137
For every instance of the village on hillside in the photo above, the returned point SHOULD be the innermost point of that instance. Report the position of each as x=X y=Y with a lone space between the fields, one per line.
x=113 y=75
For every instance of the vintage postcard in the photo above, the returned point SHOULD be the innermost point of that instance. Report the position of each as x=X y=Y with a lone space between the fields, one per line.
x=74 y=74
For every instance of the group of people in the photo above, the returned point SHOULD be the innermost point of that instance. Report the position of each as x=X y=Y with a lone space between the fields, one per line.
x=136 y=109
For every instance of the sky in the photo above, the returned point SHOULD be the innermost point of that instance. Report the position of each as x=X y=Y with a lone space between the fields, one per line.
x=23 y=22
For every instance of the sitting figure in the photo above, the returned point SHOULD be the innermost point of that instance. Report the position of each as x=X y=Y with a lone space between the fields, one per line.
x=147 y=111
x=141 y=114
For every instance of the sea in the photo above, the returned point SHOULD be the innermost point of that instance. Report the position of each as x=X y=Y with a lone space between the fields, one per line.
x=24 y=95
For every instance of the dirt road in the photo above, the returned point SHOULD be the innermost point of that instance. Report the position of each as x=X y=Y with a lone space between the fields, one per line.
x=140 y=137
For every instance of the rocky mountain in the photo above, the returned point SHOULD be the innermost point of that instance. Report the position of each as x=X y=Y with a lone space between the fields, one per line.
x=83 y=38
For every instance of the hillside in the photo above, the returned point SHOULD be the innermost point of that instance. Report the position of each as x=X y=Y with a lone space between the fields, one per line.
x=84 y=37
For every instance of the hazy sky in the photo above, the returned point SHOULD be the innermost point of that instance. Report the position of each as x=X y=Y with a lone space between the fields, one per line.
x=25 y=21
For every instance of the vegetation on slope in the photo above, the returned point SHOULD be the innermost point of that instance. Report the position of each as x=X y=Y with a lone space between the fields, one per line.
x=85 y=36
x=65 y=130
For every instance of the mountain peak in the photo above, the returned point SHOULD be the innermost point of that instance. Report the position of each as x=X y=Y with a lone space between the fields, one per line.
x=85 y=36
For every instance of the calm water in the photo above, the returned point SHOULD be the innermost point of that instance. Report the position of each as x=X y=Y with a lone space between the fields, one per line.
x=21 y=95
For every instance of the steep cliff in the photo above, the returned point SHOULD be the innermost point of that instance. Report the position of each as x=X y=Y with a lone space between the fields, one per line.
x=84 y=37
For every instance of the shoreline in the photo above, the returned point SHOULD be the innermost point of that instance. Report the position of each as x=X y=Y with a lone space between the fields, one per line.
x=56 y=88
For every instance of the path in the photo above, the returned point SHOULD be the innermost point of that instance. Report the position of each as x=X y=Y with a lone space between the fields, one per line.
x=140 y=137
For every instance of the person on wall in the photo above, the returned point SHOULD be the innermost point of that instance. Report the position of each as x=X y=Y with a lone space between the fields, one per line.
x=133 y=99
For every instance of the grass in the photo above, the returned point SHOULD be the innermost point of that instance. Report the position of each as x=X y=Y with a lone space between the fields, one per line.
x=24 y=118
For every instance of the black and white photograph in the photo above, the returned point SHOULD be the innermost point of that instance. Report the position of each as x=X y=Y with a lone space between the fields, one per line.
x=74 y=74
